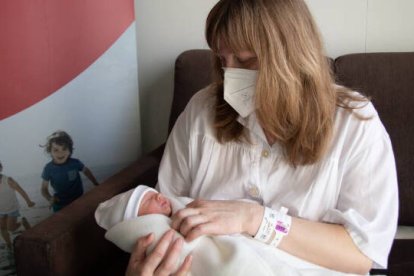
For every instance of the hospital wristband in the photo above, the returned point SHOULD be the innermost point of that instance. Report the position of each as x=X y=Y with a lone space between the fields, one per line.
x=282 y=227
x=274 y=226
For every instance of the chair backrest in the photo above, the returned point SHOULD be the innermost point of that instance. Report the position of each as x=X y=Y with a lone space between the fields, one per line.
x=389 y=79
x=192 y=72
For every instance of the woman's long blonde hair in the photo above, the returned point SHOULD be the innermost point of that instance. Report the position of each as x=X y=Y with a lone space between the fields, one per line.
x=295 y=94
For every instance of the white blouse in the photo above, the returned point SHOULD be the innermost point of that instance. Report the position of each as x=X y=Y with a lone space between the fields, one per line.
x=354 y=185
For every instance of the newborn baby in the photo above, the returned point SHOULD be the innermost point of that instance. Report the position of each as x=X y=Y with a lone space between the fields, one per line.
x=138 y=212
x=143 y=210
x=154 y=211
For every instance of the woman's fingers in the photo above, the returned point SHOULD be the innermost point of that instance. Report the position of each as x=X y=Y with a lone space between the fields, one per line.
x=210 y=228
x=194 y=226
x=170 y=260
x=138 y=255
x=162 y=261
x=185 y=267
x=189 y=224
x=141 y=246
x=217 y=217
x=182 y=214
x=154 y=259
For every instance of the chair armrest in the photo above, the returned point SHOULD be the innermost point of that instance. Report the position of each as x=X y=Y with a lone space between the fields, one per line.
x=70 y=242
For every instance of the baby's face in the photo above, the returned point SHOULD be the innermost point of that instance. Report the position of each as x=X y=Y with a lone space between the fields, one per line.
x=154 y=203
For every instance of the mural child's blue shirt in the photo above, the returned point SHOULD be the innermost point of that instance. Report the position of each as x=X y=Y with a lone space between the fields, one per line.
x=65 y=180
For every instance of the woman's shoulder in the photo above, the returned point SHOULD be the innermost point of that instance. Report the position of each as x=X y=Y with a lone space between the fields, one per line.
x=358 y=127
x=359 y=112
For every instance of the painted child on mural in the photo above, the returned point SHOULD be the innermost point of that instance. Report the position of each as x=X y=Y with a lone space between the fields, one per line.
x=62 y=172
x=9 y=207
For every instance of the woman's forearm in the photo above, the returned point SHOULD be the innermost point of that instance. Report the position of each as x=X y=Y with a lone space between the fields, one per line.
x=324 y=244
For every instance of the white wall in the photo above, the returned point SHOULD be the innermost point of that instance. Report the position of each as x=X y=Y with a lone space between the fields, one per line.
x=350 y=26
x=166 y=28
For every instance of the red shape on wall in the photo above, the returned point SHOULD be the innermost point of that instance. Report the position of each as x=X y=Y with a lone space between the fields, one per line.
x=45 y=44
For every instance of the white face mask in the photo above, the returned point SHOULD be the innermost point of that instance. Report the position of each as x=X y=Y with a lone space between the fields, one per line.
x=239 y=88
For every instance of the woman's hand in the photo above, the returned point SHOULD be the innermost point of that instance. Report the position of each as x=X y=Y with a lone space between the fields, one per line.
x=217 y=217
x=161 y=261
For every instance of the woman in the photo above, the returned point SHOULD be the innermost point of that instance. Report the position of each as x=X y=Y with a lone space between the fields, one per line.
x=275 y=128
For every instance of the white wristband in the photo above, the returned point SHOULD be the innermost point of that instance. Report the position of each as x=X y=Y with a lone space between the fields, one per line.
x=266 y=227
x=275 y=225
x=282 y=227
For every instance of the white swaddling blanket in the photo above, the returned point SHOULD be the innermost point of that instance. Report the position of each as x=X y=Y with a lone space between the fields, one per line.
x=216 y=255
x=211 y=255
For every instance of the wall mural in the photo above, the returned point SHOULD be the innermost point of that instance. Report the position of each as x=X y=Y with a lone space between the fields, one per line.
x=69 y=107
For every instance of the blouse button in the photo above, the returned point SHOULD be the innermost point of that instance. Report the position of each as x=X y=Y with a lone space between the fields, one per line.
x=254 y=191
x=265 y=153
